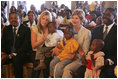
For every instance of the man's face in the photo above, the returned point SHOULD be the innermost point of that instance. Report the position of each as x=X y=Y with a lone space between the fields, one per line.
x=31 y=17
x=108 y=17
x=14 y=20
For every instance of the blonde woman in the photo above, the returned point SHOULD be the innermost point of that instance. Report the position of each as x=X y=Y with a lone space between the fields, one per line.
x=39 y=35
x=83 y=37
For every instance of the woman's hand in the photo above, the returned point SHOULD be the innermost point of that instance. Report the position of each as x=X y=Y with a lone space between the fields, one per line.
x=45 y=36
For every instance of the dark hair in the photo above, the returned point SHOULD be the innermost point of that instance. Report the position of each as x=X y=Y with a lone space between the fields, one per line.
x=30 y=12
x=54 y=24
x=69 y=11
x=71 y=29
x=13 y=13
x=112 y=10
x=99 y=42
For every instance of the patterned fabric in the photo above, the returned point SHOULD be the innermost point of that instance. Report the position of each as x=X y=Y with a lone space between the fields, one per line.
x=70 y=47
x=91 y=71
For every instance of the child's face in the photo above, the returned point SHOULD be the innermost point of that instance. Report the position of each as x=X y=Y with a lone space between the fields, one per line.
x=51 y=28
x=68 y=34
x=94 y=46
x=99 y=21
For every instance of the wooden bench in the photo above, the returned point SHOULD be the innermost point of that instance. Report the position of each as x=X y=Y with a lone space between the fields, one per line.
x=7 y=70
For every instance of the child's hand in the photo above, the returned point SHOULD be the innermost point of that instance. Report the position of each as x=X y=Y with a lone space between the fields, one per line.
x=81 y=51
x=55 y=52
x=84 y=61
x=59 y=46
x=71 y=55
x=45 y=36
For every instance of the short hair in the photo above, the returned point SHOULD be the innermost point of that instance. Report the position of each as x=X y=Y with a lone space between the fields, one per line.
x=69 y=11
x=99 y=42
x=80 y=13
x=54 y=24
x=112 y=10
x=71 y=29
x=30 y=12
x=13 y=13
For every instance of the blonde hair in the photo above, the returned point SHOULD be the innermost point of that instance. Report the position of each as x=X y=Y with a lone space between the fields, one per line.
x=80 y=13
x=44 y=13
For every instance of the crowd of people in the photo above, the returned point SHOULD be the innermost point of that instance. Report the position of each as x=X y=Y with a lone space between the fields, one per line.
x=60 y=42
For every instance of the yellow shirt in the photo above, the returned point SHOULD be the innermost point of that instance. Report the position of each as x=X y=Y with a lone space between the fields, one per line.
x=70 y=47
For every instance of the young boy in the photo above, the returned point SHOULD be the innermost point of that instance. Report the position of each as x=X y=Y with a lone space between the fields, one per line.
x=94 y=60
x=64 y=52
x=53 y=39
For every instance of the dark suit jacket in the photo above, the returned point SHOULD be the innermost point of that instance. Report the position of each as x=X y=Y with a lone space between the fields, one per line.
x=110 y=48
x=23 y=40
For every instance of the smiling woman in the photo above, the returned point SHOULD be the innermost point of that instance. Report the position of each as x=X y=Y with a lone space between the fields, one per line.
x=42 y=12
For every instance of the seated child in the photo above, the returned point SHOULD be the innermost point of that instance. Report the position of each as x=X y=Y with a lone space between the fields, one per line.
x=94 y=60
x=65 y=50
x=53 y=39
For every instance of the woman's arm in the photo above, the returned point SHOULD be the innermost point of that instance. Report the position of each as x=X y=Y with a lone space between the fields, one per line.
x=86 y=42
x=34 y=41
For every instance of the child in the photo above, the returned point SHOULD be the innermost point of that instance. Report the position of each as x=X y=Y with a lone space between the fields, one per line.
x=65 y=51
x=94 y=60
x=53 y=39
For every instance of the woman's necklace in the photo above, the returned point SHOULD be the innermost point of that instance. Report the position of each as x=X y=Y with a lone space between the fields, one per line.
x=77 y=28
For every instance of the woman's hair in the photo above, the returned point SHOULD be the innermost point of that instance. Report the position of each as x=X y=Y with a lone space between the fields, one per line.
x=80 y=13
x=44 y=13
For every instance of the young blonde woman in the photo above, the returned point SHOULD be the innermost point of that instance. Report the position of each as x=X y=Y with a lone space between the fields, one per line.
x=38 y=37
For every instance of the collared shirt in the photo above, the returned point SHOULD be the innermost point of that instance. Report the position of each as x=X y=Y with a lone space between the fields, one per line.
x=69 y=49
x=16 y=28
x=109 y=27
x=53 y=39
x=34 y=24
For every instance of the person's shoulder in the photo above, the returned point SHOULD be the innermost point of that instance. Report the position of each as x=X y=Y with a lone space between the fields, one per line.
x=25 y=22
x=34 y=28
x=100 y=27
x=7 y=27
x=24 y=26
x=100 y=53
x=85 y=29
x=115 y=25
x=74 y=40
x=60 y=33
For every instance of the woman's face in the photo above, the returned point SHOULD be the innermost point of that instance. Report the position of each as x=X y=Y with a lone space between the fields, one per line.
x=76 y=20
x=44 y=21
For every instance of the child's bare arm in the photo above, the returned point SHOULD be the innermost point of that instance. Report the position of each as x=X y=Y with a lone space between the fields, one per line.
x=59 y=46
x=92 y=58
x=84 y=61
x=55 y=51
